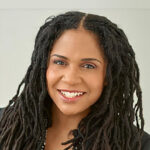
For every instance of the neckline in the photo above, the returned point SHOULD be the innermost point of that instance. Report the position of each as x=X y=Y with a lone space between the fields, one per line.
x=75 y=145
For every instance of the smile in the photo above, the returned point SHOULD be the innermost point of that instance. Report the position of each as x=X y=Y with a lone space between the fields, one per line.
x=71 y=94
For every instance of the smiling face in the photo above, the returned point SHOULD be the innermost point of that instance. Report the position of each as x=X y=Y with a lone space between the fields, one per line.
x=76 y=72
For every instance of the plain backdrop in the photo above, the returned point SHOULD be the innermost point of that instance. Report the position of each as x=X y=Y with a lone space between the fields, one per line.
x=21 y=20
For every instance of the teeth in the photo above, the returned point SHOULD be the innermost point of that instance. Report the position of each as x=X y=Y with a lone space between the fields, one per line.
x=72 y=94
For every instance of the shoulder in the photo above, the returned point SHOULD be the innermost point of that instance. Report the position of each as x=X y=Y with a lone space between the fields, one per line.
x=146 y=141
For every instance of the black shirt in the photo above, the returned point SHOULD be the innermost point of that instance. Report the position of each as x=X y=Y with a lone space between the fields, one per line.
x=145 y=139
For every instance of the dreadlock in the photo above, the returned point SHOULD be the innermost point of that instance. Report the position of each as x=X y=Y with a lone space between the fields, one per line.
x=110 y=124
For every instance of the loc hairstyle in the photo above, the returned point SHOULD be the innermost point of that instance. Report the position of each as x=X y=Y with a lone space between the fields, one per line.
x=110 y=124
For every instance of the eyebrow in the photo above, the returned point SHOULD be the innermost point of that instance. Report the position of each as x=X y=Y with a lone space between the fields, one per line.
x=83 y=59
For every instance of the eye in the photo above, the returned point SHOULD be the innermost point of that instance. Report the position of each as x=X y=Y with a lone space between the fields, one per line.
x=89 y=66
x=59 y=62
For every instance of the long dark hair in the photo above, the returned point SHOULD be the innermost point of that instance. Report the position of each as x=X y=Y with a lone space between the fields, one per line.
x=110 y=124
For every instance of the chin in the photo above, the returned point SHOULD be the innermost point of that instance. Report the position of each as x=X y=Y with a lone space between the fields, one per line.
x=70 y=113
x=73 y=112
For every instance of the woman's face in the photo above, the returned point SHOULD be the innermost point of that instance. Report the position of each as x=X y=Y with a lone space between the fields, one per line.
x=76 y=72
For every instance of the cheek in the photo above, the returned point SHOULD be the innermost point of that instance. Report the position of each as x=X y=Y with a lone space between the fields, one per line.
x=95 y=84
x=52 y=73
x=95 y=81
x=51 y=76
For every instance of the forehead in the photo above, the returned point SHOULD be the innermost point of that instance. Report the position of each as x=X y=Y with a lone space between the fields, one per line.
x=77 y=41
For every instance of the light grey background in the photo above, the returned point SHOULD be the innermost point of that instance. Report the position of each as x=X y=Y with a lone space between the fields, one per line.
x=20 y=21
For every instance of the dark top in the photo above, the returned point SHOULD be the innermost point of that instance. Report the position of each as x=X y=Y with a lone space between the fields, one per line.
x=145 y=138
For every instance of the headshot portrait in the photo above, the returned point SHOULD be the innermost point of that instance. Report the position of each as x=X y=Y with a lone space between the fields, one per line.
x=81 y=90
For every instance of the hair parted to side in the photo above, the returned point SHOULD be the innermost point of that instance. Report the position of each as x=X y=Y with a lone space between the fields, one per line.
x=109 y=125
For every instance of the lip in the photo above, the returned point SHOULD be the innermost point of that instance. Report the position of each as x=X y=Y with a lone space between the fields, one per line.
x=71 y=91
x=69 y=100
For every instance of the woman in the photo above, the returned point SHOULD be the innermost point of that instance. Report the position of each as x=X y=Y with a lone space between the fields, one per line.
x=78 y=91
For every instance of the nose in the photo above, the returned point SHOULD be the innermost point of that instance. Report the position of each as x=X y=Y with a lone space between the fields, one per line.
x=72 y=76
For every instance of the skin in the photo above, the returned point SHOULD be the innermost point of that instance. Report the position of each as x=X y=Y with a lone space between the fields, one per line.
x=73 y=73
